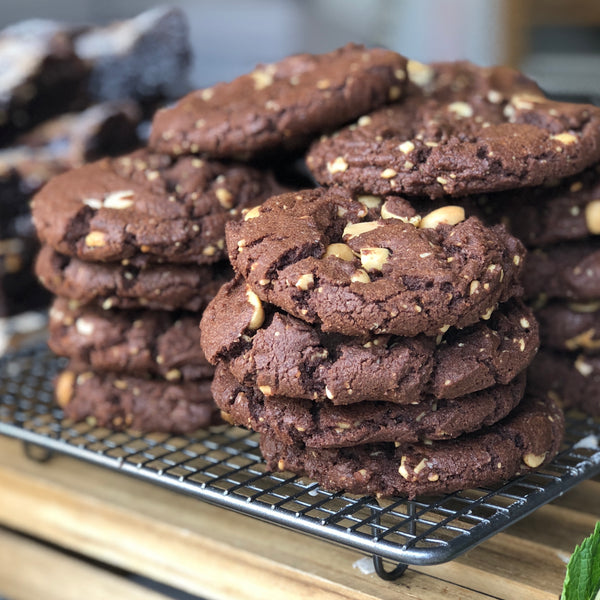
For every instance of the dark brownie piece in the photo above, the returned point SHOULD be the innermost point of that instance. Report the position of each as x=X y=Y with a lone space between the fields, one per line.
x=525 y=440
x=41 y=76
x=121 y=401
x=357 y=267
x=568 y=271
x=569 y=378
x=282 y=105
x=462 y=130
x=146 y=58
x=147 y=207
x=160 y=343
x=287 y=357
x=570 y=326
x=113 y=285
x=105 y=129
x=19 y=288
x=324 y=425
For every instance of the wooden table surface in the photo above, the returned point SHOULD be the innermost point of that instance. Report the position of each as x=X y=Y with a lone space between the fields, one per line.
x=69 y=529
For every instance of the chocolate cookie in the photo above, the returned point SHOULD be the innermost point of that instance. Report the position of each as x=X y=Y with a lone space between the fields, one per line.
x=568 y=271
x=570 y=326
x=112 y=285
x=569 y=210
x=357 y=267
x=282 y=105
x=569 y=378
x=147 y=207
x=285 y=356
x=325 y=425
x=159 y=343
x=525 y=440
x=125 y=402
x=462 y=130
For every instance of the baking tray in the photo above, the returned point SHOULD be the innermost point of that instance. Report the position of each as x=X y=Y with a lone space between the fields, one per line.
x=223 y=466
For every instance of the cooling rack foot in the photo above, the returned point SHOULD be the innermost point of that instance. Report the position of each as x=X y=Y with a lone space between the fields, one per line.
x=37 y=453
x=392 y=575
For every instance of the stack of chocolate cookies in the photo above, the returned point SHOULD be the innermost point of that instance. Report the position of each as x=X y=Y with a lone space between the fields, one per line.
x=375 y=350
x=562 y=281
x=378 y=347
x=134 y=247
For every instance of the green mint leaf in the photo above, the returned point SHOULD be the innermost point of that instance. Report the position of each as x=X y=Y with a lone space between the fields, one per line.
x=583 y=571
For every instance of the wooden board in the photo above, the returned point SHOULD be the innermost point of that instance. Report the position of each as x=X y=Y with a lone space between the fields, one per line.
x=215 y=553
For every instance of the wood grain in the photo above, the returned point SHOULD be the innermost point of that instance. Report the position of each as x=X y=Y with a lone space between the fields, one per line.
x=215 y=553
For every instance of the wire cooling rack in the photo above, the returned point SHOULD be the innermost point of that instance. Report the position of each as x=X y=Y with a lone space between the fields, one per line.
x=223 y=466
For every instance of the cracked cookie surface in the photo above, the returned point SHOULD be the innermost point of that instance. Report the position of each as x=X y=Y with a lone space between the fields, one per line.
x=283 y=105
x=461 y=130
x=121 y=401
x=525 y=440
x=358 y=267
x=160 y=343
x=112 y=285
x=287 y=357
x=325 y=425
x=147 y=208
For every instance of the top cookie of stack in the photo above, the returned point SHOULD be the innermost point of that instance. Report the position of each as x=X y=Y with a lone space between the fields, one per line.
x=326 y=275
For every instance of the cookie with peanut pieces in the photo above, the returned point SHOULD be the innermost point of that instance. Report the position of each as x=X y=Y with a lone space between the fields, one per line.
x=160 y=343
x=284 y=356
x=122 y=401
x=527 y=439
x=568 y=271
x=147 y=208
x=570 y=326
x=461 y=130
x=114 y=285
x=567 y=210
x=325 y=425
x=281 y=106
x=359 y=266
x=570 y=378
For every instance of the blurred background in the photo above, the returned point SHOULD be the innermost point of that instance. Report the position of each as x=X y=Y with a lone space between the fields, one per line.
x=555 y=41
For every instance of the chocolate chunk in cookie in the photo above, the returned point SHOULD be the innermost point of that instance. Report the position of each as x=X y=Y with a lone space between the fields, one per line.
x=119 y=401
x=159 y=343
x=568 y=271
x=571 y=379
x=283 y=105
x=358 y=267
x=112 y=285
x=525 y=440
x=282 y=355
x=462 y=130
x=147 y=207
x=325 y=425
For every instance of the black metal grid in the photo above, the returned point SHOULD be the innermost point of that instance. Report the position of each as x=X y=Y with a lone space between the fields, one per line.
x=223 y=466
